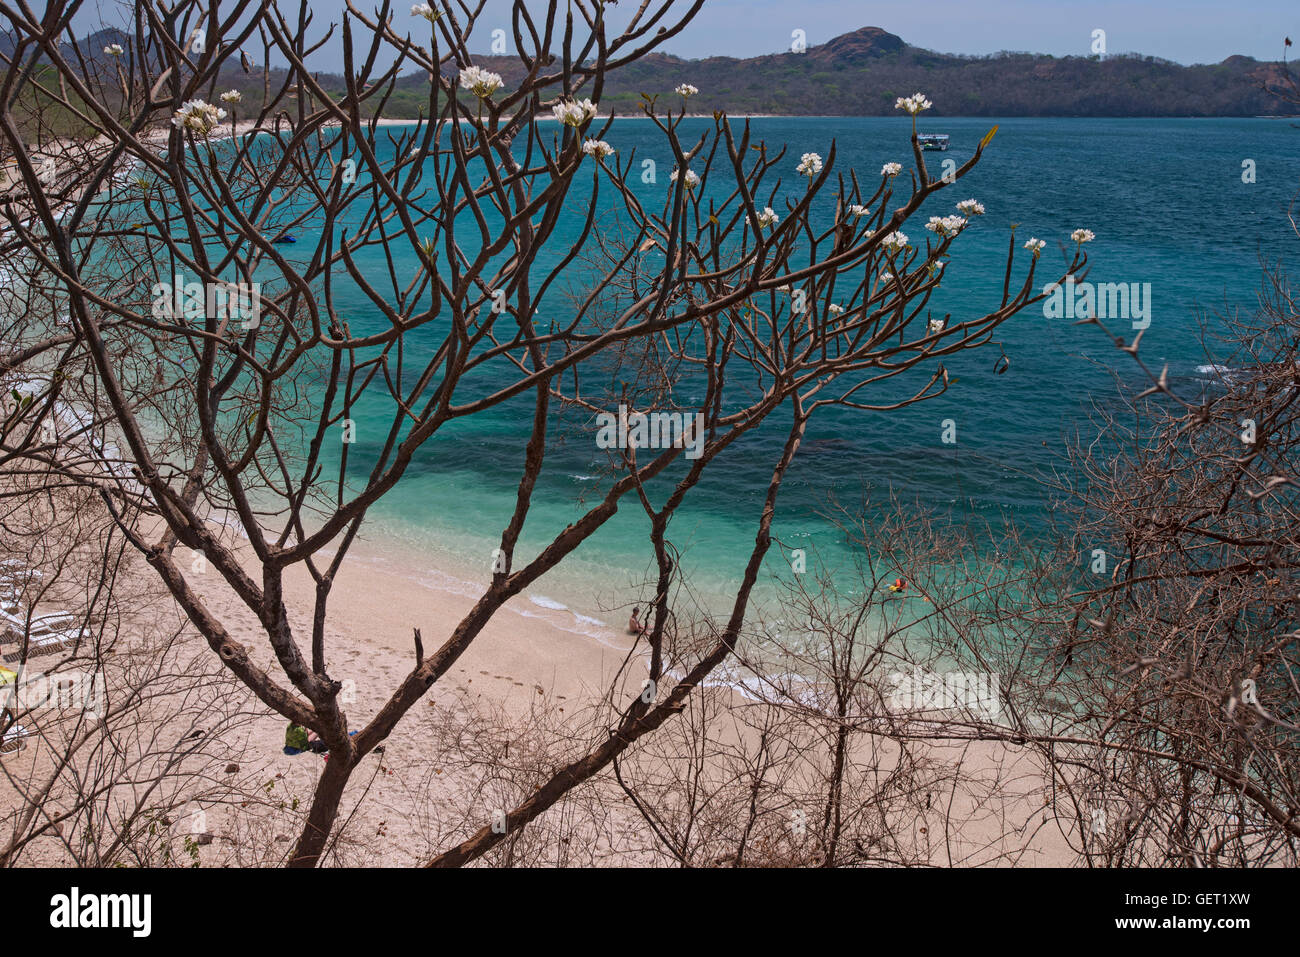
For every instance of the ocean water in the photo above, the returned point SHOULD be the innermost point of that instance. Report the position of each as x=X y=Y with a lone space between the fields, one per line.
x=1168 y=204
x=1169 y=207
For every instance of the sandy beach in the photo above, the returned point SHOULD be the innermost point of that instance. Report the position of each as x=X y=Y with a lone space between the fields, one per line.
x=467 y=749
x=528 y=658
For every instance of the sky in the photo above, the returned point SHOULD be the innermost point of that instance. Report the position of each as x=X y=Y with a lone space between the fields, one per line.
x=1186 y=31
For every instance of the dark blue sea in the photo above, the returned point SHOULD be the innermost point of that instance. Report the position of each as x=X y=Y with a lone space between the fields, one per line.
x=1167 y=202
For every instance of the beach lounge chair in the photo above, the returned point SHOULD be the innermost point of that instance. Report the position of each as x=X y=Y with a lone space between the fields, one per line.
x=14 y=577
x=14 y=739
x=39 y=646
x=13 y=618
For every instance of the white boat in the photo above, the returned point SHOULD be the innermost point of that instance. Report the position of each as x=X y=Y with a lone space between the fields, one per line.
x=932 y=141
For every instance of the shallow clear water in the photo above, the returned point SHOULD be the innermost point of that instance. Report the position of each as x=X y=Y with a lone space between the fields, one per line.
x=1168 y=205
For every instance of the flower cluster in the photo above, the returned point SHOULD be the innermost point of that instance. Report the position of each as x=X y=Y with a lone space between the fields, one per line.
x=768 y=218
x=426 y=11
x=857 y=212
x=936 y=325
x=482 y=83
x=1035 y=246
x=913 y=104
x=231 y=96
x=114 y=49
x=687 y=89
x=835 y=309
x=891 y=169
x=692 y=180
x=895 y=241
x=1082 y=236
x=970 y=207
x=575 y=113
x=946 y=225
x=198 y=116
x=810 y=164
x=597 y=148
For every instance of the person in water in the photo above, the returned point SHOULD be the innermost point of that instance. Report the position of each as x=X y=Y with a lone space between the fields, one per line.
x=899 y=586
x=634 y=626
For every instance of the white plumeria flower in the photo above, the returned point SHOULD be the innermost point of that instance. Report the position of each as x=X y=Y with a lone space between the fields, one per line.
x=482 y=83
x=970 y=207
x=886 y=275
x=114 y=49
x=1035 y=246
x=857 y=212
x=687 y=89
x=913 y=104
x=198 y=116
x=891 y=169
x=945 y=225
x=785 y=289
x=810 y=164
x=574 y=113
x=768 y=218
x=835 y=309
x=894 y=241
x=231 y=96
x=426 y=11
x=936 y=325
x=692 y=179
x=1082 y=236
x=598 y=148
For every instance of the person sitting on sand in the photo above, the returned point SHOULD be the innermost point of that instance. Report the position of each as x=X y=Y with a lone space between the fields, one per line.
x=298 y=739
x=634 y=626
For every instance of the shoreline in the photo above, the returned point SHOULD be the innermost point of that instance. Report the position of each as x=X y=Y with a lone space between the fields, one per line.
x=525 y=664
x=388 y=579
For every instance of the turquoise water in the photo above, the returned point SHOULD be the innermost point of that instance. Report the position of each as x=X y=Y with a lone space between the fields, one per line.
x=1168 y=205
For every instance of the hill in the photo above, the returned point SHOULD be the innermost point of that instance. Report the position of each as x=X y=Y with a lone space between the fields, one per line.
x=862 y=73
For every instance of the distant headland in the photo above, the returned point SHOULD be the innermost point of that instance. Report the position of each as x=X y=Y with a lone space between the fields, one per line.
x=863 y=72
